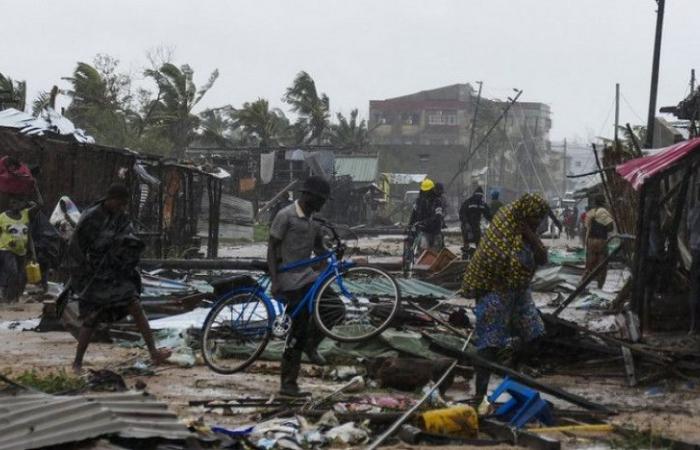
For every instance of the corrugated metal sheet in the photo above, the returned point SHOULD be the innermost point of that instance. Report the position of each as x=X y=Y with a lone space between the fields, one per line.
x=360 y=169
x=410 y=288
x=50 y=121
x=33 y=420
x=638 y=171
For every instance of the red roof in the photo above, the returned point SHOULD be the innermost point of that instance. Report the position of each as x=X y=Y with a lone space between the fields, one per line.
x=638 y=171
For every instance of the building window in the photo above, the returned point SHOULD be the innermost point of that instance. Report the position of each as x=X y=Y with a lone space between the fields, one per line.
x=435 y=118
x=424 y=157
x=442 y=118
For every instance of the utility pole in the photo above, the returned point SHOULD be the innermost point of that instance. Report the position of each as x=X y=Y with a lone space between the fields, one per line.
x=692 y=81
x=465 y=165
x=565 y=167
x=655 y=73
x=511 y=102
x=617 y=110
x=693 y=128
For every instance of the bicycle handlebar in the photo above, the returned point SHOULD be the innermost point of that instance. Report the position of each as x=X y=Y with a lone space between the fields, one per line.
x=339 y=247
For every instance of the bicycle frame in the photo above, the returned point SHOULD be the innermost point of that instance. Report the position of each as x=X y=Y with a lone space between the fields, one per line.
x=333 y=268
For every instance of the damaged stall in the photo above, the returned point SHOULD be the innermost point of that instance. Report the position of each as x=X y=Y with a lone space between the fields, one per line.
x=667 y=182
x=166 y=195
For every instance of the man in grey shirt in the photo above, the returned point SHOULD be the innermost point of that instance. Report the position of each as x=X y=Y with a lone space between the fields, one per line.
x=293 y=237
x=694 y=241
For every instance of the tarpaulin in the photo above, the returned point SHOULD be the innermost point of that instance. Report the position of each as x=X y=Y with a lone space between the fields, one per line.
x=638 y=170
x=267 y=166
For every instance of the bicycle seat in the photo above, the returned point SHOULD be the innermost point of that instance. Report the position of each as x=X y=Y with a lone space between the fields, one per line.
x=223 y=285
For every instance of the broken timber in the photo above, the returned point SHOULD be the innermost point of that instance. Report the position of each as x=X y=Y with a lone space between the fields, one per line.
x=477 y=360
x=586 y=281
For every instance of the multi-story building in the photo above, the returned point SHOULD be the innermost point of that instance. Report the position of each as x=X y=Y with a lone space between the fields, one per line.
x=429 y=132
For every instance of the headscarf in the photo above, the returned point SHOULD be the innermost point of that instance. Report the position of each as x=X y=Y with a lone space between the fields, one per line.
x=497 y=263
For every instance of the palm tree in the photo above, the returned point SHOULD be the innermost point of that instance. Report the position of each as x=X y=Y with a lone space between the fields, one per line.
x=257 y=120
x=312 y=108
x=350 y=133
x=217 y=126
x=177 y=96
x=13 y=94
x=45 y=100
x=97 y=106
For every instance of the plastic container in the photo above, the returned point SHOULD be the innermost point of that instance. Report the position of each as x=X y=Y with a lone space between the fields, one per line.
x=33 y=272
x=459 y=420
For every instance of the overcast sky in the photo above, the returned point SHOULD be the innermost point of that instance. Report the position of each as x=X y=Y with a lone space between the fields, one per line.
x=567 y=53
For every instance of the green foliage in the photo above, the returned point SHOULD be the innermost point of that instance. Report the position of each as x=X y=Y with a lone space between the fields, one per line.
x=171 y=112
x=105 y=103
x=50 y=382
x=312 y=108
x=350 y=133
x=13 y=94
x=260 y=124
x=101 y=101
x=261 y=232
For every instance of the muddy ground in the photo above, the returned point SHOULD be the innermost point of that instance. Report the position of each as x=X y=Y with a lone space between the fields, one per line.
x=669 y=407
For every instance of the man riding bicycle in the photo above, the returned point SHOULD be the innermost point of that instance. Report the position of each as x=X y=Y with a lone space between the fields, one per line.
x=294 y=235
x=428 y=215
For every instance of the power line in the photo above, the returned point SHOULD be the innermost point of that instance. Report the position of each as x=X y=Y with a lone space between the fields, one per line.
x=630 y=107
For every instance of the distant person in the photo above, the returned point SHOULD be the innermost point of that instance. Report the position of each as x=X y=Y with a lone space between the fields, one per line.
x=569 y=223
x=428 y=215
x=103 y=255
x=14 y=247
x=470 y=214
x=496 y=203
x=599 y=223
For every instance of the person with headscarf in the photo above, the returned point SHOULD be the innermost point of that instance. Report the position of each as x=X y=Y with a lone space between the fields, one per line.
x=498 y=276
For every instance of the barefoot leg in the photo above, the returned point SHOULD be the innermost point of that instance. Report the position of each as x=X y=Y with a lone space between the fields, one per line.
x=136 y=311
x=84 y=337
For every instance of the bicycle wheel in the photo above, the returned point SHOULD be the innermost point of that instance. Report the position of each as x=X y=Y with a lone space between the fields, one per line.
x=357 y=304
x=236 y=332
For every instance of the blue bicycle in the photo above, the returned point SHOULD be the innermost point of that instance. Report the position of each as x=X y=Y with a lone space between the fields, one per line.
x=349 y=303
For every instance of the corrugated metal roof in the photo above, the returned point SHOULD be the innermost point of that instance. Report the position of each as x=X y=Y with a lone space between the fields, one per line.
x=638 y=171
x=32 y=420
x=410 y=288
x=360 y=169
x=50 y=120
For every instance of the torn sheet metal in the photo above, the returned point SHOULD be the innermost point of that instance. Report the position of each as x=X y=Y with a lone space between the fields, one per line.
x=50 y=121
x=638 y=171
x=31 y=420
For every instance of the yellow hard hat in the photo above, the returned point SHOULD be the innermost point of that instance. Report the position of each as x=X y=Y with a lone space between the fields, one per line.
x=427 y=185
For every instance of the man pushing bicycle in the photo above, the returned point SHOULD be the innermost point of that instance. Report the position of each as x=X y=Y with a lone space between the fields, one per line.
x=294 y=235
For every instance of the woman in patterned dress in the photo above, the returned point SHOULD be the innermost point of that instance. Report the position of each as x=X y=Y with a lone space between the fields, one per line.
x=499 y=276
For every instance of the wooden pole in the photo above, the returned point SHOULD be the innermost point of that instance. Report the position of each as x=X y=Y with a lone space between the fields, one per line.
x=617 y=111
x=655 y=73
x=587 y=280
x=606 y=189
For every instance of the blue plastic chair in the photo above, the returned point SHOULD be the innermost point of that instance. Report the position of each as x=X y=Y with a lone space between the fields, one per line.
x=524 y=406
